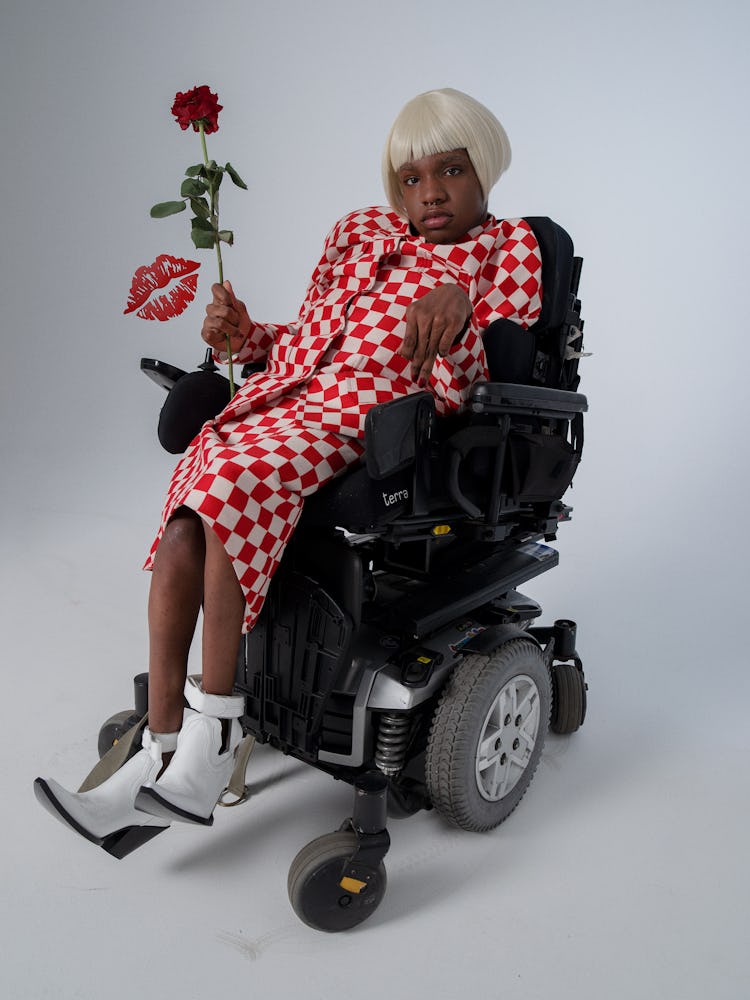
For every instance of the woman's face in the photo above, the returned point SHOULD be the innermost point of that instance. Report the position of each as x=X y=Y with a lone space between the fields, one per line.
x=442 y=196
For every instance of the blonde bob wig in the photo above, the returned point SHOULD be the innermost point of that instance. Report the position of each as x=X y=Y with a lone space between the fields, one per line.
x=437 y=122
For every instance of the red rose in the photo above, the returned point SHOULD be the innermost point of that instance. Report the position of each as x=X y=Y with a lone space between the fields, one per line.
x=197 y=105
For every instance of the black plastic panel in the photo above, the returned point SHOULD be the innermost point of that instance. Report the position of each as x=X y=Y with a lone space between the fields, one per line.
x=291 y=669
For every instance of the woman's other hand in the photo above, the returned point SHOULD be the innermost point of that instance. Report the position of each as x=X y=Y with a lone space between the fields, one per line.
x=433 y=323
x=226 y=316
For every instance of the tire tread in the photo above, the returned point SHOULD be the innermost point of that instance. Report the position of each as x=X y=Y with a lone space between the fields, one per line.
x=450 y=741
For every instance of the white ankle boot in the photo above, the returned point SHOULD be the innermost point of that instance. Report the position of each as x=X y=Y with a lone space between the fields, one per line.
x=199 y=771
x=106 y=815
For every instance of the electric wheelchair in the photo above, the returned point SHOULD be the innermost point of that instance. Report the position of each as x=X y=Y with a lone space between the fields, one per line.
x=395 y=650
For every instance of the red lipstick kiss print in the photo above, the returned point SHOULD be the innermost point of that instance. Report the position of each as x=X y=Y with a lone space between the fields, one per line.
x=163 y=289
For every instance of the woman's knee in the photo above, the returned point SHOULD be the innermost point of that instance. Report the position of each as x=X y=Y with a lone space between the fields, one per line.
x=183 y=539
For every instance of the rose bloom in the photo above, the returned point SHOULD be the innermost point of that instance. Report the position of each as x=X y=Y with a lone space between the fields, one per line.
x=196 y=105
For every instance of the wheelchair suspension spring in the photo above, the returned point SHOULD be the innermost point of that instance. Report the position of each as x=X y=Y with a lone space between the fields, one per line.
x=393 y=739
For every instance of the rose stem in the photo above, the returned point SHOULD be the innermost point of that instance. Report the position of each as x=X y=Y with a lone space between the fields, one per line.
x=215 y=220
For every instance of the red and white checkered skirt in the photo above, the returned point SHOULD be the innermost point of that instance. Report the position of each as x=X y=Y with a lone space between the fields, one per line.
x=247 y=479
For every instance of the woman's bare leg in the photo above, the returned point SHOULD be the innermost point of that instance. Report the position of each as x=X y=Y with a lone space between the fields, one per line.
x=174 y=603
x=223 y=614
x=190 y=567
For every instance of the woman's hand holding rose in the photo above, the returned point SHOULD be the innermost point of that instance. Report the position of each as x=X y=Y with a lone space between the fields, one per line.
x=226 y=316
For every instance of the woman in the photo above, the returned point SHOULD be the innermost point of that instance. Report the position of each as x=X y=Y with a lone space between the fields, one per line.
x=396 y=303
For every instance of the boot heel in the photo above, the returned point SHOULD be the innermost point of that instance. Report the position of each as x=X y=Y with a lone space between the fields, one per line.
x=124 y=842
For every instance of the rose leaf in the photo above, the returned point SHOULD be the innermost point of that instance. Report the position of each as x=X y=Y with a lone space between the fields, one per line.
x=165 y=208
x=200 y=207
x=202 y=238
x=192 y=188
x=214 y=179
x=235 y=176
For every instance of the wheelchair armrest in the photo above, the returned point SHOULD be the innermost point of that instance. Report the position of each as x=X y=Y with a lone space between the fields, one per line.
x=506 y=400
x=531 y=400
x=395 y=433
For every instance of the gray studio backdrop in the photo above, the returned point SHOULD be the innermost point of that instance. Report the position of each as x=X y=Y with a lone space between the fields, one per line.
x=628 y=126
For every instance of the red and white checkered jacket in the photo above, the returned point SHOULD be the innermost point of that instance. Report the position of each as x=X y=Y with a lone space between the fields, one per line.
x=341 y=355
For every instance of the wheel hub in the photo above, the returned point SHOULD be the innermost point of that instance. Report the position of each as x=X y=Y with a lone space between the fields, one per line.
x=507 y=738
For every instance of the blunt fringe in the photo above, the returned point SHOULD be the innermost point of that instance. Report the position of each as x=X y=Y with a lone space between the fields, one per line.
x=437 y=122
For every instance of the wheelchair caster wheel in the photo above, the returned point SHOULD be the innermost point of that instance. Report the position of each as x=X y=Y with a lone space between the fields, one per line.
x=321 y=895
x=114 y=729
x=568 y=698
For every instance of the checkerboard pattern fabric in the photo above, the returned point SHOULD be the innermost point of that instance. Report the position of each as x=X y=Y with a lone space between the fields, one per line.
x=294 y=426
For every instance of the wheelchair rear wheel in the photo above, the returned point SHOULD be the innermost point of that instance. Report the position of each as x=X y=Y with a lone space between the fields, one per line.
x=487 y=735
